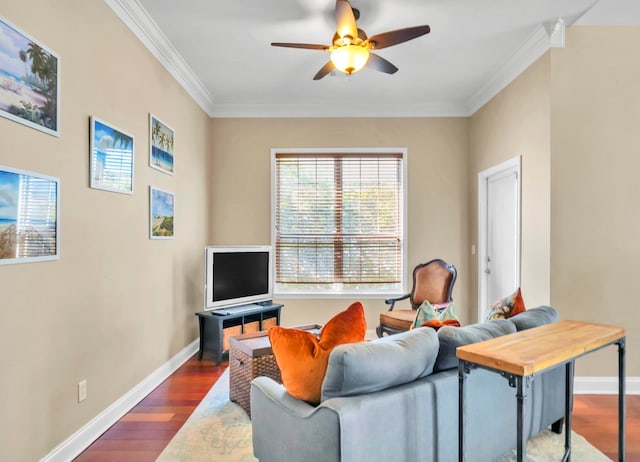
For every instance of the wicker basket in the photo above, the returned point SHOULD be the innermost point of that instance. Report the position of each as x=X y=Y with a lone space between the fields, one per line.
x=243 y=369
x=269 y=322
x=229 y=332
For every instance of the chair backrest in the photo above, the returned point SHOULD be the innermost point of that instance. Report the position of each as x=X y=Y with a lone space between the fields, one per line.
x=433 y=281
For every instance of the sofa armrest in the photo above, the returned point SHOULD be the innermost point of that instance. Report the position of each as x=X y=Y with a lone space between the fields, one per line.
x=286 y=428
x=535 y=317
x=268 y=389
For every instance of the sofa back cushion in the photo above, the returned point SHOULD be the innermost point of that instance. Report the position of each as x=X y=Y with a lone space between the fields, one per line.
x=452 y=337
x=535 y=317
x=367 y=367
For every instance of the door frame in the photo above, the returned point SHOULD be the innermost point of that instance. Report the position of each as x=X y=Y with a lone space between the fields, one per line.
x=514 y=164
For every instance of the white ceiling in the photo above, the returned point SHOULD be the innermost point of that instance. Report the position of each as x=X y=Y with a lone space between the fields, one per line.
x=220 y=51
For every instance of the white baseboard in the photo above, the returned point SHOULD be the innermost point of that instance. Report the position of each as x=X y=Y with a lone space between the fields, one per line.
x=605 y=386
x=82 y=439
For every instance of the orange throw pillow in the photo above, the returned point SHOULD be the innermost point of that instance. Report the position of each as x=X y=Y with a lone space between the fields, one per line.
x=437 y=324
x=302 y=357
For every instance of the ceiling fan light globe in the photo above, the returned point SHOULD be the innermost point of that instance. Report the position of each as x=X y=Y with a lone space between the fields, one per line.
x=349 y=58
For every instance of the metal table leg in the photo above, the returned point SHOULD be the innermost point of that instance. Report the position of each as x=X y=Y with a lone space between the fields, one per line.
x=621 y=400
x=521 y=454
x=568 y=397
x=462 y=365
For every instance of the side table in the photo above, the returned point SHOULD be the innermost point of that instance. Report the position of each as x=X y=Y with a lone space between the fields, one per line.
x=519 y=356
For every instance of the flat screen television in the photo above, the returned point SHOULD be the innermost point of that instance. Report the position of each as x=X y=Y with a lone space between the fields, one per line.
x=238 y=275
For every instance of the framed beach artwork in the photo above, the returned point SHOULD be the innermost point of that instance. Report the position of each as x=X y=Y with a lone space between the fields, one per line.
x=29 y=216
x=162 y=213
x=160 y=145
x=112 y=156
x=29 y=80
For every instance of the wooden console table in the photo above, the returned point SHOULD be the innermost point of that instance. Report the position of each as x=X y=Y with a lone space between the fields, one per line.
x=518 y=357
x=214 y=323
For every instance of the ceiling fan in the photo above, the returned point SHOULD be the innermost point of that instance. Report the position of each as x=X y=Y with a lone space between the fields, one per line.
x=351 y=48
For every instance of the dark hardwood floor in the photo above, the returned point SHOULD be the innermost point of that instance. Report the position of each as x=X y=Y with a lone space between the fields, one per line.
x=143 y=433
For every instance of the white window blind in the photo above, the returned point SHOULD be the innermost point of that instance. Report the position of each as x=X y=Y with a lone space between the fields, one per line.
x=36 y=225
x=338 y=222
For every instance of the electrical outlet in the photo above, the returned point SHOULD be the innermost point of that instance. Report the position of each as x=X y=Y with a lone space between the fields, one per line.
x=82 y=391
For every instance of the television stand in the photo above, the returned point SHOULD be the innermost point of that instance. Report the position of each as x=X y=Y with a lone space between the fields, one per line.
x=217 y=326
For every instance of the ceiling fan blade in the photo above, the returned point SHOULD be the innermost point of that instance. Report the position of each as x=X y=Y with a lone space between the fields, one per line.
x=307 y=46
x=345 y=20
x=380 y=64
x=386 y=39
x=326 y=69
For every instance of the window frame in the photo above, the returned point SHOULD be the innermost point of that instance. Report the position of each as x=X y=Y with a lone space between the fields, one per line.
x=337 y=294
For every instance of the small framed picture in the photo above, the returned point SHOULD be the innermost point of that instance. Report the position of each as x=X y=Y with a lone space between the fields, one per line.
x=29 y=216
x=29 y=80
x=160 y=145
x=162 y=213
x=112 y=156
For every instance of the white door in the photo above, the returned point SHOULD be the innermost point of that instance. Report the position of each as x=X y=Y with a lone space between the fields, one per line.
x=498 y=233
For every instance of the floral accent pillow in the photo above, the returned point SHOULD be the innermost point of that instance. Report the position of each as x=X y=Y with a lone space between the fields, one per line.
x=506 y=307
x=436 y=316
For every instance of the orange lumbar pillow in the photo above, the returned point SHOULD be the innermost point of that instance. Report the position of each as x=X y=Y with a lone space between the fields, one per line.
x=302 y=356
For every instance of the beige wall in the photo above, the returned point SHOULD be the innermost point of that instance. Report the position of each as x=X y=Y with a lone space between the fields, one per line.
x=116 y=305
x=437 y=183
x=595 y=116
x=516 y=123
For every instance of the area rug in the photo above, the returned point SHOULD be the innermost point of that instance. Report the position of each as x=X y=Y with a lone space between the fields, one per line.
x=220 y=430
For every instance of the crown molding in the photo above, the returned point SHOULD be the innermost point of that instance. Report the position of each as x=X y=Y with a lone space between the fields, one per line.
x=543 y=39
x=148 y=32
x=443 y=109
x=533 y=48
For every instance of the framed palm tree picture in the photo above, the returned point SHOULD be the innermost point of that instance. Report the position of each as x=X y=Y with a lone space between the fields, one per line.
x=29 y=80
x=161 y=213
x=160 y=145
x=112 y=156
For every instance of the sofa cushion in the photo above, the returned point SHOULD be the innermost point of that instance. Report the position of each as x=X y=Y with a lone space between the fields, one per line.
x=302 y=357
x=452 y=337
x=382 y=363
x=535 y=317
x=508 y=306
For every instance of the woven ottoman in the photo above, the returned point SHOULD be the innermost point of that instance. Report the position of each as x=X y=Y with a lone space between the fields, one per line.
x=250 y=356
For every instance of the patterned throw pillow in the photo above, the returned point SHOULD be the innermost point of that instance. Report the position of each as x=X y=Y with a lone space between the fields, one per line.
x=506 y=307
x=436 y=316
x=302 y=357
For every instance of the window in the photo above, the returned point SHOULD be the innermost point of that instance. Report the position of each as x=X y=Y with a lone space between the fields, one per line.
x=338 y=222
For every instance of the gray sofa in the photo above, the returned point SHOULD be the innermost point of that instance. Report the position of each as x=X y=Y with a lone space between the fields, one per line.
x=396 y=399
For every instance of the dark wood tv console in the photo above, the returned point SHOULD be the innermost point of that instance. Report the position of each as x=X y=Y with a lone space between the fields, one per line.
x=217 y=326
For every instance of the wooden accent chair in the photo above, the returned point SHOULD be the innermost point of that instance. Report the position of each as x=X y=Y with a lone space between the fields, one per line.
x=432 y=281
